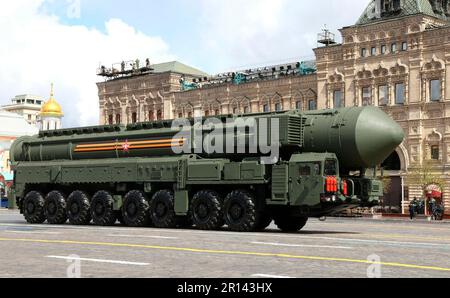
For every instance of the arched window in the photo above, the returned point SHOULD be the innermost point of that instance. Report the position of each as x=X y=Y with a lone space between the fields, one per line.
x=134 y=117
x=118 y=120
x=159 y=115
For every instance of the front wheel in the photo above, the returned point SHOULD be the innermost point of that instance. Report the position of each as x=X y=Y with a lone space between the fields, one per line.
x=290 y=224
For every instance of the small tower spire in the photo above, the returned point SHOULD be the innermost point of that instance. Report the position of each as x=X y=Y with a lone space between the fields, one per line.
x=52 y=92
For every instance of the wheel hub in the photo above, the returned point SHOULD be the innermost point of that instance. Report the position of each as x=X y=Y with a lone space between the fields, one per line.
x=74 y=209
x=131 y=209
x=30 y=207
x=236 y=211
x=52 y=208
x=99 y=209
x=160 y=210
x=202 y=211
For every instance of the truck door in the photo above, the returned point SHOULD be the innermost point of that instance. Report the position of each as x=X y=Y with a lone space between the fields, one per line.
x=303 y=181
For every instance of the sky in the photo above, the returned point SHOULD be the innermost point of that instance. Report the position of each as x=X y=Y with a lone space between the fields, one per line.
x=65 y=41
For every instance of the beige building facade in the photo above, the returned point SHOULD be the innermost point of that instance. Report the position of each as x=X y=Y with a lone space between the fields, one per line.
x=397 y=57
x=28 y=106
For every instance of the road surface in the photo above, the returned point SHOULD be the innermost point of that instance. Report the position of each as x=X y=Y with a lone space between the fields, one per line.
x=335 y=248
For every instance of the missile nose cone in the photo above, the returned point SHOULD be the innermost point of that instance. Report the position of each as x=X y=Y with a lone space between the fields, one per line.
x=397 y=134
x=378 y=136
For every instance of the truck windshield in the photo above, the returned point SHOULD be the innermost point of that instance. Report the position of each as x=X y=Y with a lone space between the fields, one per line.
x=330 y=167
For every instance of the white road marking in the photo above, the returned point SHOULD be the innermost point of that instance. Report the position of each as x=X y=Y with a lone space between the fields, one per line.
x=33 y=232
x=301 y=245
x=270 y=276
x=99 y=261
x=142 y=236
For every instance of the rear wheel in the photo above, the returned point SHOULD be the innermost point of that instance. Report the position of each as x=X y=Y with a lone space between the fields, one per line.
x=78 y=208
x=240 y=211
x=162 y=210
x=102 y=209
x=206 y=210
x=135 y=209
x=290 y=223
x=55 y=208
x=33 y=208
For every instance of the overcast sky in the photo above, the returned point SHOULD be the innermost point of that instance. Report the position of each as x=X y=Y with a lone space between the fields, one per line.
x=44 y=41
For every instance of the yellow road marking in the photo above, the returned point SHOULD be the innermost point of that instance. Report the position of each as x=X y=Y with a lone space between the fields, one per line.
x=226 y=252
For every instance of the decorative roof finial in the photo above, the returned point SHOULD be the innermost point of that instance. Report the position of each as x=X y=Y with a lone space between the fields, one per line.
x=52 y=92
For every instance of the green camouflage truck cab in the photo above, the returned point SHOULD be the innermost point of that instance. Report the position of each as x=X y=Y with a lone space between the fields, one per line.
x=136 y=175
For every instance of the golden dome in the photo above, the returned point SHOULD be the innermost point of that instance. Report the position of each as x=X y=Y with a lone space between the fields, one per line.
x=51 y=107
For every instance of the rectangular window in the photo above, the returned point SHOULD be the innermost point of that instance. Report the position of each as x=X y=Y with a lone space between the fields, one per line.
x=435 y=90
x=247 y=110
x=399 y=93
x=393 y=48
x=206 y=113
x=330 y=167
x=337 y=99
x=363 y=52
x=118 y=120
x=134 y=117
x=312 y=105
x=111 y=120
x=404 y=46
x=373 y=51
x=305 y=170
x=278 y=107
x=366 y=96
x=217 y=112
x=435 y=152
x=383 y=96
x=383 y=49
x=298 y=105
x=266 y=109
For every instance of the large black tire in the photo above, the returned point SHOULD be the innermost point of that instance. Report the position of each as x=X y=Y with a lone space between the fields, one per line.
x=33 y=208
x=290 y=224
x=79 y=208
x=55 y=208
x=263 y=222
x=102 y=209
x=162 y=210
x=135 y=209
x=240 y=211
x=206 y=210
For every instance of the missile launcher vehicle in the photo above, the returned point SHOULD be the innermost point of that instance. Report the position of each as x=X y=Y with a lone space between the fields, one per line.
x=206 y=172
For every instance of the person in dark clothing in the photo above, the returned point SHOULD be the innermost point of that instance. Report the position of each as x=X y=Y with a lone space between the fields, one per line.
x=432 y=206
x=412 y=209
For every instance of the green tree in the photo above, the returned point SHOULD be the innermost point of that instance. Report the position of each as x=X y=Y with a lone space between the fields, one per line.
x=424 y=176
